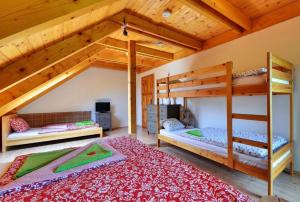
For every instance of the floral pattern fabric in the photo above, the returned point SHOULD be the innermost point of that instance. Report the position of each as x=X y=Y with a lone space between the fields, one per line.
x=19 y=125
x=218 y=137
x=146 y=175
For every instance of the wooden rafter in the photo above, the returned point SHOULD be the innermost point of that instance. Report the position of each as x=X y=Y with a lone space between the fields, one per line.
x=47 y=74
x=42 y=26
x=141 y=50
x=33 y=64
x=150 y=28
x=122 y=57
x=48 y=82
x=279 y=15
x=109 y=65
x=222 y=11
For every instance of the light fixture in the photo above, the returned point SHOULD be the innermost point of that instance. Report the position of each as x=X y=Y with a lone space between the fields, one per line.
x=159 y=43
x=124 y=27
x=167 y=13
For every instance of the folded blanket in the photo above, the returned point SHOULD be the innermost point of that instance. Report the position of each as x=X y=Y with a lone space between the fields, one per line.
x=91 y=154
x=67 y=127
x=39 y=160
x=84 y=123
x=196 y=133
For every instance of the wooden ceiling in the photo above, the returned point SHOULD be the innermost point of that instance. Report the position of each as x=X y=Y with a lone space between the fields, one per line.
x=44 y=43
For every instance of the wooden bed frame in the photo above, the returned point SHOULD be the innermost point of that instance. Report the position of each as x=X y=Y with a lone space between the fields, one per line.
x=277 y=68
x=6 y=130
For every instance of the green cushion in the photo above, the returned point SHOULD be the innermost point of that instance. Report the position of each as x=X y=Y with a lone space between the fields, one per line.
x=91 y=154
x=84 y=123
x=39 y=160
x=196 y=133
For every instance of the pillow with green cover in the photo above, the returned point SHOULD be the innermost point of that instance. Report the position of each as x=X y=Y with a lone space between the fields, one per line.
x=196 y=133
x=39 y=160
x=91 y=154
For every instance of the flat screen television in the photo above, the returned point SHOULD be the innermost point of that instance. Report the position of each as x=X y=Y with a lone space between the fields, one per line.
x=102 y=106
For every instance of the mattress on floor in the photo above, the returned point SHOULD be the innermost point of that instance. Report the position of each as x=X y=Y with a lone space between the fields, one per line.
x=35 y=132
x=179 y=135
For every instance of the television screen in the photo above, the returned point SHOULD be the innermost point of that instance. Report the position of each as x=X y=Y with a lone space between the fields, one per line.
x=102 y=106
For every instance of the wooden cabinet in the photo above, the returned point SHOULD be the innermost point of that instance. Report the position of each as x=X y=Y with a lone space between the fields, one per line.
x=166 y=111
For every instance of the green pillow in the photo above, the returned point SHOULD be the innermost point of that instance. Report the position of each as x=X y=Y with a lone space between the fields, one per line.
x=39 y=160
x=196 y=133
x=84 y=123
x=91 y=154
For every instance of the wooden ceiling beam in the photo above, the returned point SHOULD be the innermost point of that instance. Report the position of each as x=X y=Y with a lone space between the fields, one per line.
x=141 y=50
x=27 y=26
x=29 y=84
x=121 y=56
x=160 y=31
x=222 y=11
x=28 y=66
x=279 y=15
x=33 y=87
x=109 y=65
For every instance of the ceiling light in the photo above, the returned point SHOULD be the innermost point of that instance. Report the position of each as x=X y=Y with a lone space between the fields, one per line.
x=124 y=27
x=159 y=43
x=167 y=13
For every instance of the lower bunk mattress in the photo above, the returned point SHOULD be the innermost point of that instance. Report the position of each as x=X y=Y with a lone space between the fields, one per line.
x=215 y=140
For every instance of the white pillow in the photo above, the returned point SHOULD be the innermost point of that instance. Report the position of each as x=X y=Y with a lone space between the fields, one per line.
x=172 y=124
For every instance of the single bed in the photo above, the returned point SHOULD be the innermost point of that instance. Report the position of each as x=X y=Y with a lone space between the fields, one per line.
x=38 y=134
x=214 y=140
x=146 y=174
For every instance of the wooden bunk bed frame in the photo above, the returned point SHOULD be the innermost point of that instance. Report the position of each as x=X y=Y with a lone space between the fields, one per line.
x=277 y=68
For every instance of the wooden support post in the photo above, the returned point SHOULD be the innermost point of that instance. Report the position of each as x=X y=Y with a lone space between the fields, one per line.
x=269 y=123
x=132 y=88
x=292 y=124
x=157 y=114
x=185 y=103
x=229 y=112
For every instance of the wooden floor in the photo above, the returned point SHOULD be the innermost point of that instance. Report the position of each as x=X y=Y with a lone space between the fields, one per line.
x=286 y=187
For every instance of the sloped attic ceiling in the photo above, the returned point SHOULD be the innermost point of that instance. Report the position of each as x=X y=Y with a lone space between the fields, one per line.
x=43 y=43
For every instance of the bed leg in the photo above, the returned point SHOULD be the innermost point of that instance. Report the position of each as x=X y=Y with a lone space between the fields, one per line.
x=101 y=133
x=292 y=168
x=270 y=187
x=158 y=142
x=3 y=148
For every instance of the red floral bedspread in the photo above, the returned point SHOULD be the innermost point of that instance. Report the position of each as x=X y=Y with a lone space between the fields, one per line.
x=146 y=175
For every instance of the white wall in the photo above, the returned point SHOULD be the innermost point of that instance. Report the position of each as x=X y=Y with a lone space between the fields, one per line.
x=81 y=92
x=246 y=53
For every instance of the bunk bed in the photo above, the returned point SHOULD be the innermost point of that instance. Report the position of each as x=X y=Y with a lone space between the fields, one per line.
x=219 y=81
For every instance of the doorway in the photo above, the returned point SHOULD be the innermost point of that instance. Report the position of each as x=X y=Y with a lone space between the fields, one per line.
x=147 y=96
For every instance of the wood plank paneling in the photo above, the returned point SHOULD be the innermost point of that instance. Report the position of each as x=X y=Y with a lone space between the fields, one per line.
x=151 y=28
x=42 y=35
x=28 y=66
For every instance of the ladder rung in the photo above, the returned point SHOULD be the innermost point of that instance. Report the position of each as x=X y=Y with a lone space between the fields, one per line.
x=250 y=117
x=250 y=142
